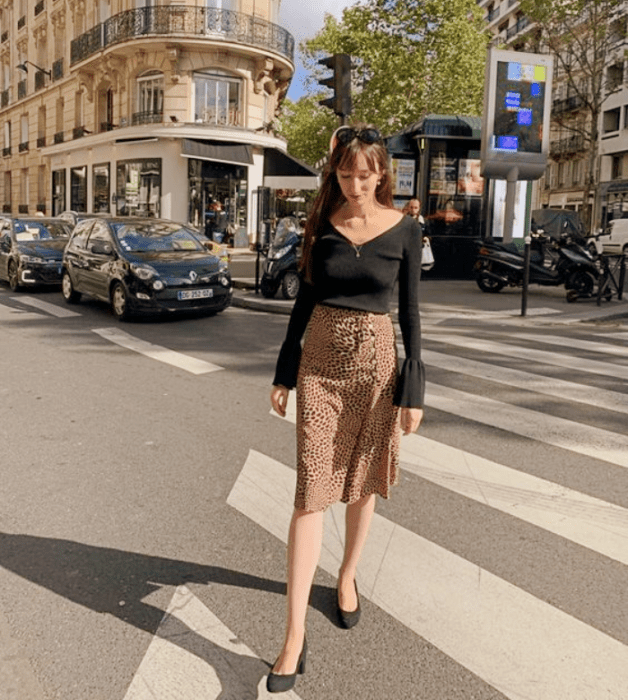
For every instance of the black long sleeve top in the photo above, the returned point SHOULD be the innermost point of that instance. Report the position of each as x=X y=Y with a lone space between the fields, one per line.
x=363 y=278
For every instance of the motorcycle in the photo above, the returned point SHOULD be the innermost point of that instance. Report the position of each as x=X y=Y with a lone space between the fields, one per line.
x=552 y=262
x=281 y=264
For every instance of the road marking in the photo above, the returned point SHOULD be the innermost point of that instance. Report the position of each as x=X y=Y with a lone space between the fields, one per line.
x=595 y=346
x=585 y=520
x=464 y=312
x=8 y=313
x=569 y=391
x=193 y=655
x=156 y=352
x=522 y=646
x=46 y=306
x=531 y=354
x=568 y=435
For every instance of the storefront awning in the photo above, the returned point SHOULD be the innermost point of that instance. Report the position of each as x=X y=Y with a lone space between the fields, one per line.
x=237 y=153
x=282 y=171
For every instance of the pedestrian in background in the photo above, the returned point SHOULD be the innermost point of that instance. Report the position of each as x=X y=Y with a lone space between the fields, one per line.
x=413 y=209
x=352 y=400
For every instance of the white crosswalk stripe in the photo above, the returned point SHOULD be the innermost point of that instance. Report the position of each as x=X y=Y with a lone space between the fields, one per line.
x=52 y=309
x=516 y=642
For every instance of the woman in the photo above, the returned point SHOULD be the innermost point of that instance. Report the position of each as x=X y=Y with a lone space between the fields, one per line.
x=351 y=402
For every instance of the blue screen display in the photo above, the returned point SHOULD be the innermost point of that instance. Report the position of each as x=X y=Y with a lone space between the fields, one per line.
x=507 y=143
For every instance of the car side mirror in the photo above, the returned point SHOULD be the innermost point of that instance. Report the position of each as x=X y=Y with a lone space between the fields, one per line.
x=102 y=249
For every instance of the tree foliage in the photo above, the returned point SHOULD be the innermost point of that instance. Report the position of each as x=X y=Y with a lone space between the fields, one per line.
x=586 y=39
x=410 y=57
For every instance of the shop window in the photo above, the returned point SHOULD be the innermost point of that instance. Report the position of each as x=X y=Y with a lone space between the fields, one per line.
x=100 y=186
x=78 y=188
x=610 y=120
x=150 y=98
x=138 y=187
x=58 y=192
x=217 y=98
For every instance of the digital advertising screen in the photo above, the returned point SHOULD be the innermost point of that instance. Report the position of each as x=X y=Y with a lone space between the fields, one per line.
x=519 y=107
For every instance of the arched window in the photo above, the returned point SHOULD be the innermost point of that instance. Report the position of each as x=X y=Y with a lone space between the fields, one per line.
x=217 y=98
x=150 y=98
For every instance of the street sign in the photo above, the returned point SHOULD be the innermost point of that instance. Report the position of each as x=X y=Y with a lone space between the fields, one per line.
x=517 y=107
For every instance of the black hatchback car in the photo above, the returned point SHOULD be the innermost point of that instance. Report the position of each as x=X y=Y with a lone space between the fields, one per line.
x=31 y=250
x=143 y=265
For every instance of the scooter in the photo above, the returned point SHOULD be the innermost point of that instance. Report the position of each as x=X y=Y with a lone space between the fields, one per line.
x=561 y=261
x=281 y=264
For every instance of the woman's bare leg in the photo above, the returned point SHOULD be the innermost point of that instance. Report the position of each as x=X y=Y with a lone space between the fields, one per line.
x=304 y=547
x=358 y=518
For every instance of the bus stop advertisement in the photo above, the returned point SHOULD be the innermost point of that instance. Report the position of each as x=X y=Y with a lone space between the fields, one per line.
x=516 y=129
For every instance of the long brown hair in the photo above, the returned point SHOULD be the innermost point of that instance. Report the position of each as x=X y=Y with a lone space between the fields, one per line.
x=330 y=196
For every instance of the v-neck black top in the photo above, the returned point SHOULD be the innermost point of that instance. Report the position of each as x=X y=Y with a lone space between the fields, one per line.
x=364 y=278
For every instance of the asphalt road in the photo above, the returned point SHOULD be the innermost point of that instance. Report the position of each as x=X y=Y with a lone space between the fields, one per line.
x=142 y=472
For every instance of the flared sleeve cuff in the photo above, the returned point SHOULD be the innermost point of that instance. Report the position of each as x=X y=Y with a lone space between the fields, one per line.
x=288 y=365
x=410 y=390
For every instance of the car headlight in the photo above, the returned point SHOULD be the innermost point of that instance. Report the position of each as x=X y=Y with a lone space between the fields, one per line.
x=144 y=272
x=276 y=254
x=32 y=259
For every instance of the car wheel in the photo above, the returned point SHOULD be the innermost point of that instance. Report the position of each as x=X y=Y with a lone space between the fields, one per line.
x=268 y=288
x=489 y=284
x=119 y=302
x=67 y=289
x=290 y=285
x=14 y=279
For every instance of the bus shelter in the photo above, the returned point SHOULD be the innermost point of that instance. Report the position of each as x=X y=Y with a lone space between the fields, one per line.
x=437 y=161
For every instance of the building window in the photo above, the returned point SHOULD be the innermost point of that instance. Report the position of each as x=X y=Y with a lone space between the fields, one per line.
x=561 y=174
x=577 y=172
x=58 y=192
x=150 y=98
x=610 y=120
x=614 y=77
x=105 y=110
x=41 y=188
x=138 y=187
x=23 y=133
x=60 y=108
x=100 y=187
x=616 y=167
x=41 y=127
x=6 y=151
x=24 y=191
x=8 y=200
x=78 y=188
x=217 y=98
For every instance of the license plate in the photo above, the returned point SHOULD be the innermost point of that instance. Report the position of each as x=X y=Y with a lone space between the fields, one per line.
x=195 y=294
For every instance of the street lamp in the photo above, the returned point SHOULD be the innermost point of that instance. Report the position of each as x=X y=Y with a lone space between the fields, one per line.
x=24 y=67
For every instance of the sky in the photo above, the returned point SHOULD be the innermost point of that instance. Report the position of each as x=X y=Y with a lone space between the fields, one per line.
x=303 y=18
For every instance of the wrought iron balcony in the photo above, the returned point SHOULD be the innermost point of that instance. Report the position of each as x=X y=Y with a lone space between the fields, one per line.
x=568 y=145
x=4 y=98
x=22 y=208
x=39 y=7
x=58 y=137
x=147 y=118
x=516 y=28
x=569 y=104
x=6 y=151
x=4 y=37
x=57 y=69
x=493 y=14
x=23 y=147
x=41 y=141
x=78 y=131
x=180 y=19
x=40 y=80
x=21 y=22
x=41 y=207
x=7 y=208
x=21 y=89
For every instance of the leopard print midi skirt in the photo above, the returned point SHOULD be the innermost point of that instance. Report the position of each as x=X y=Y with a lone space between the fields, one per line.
x=347 y=426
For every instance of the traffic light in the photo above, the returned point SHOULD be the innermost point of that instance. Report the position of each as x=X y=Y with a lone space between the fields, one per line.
x=340 y=83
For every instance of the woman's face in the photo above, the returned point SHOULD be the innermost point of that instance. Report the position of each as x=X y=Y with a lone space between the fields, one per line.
x=358 y=185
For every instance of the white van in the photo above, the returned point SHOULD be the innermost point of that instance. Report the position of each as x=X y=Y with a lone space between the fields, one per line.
x=614 y=239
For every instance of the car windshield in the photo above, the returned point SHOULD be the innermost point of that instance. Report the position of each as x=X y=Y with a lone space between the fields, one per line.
x=142 y=237
x=26 y=230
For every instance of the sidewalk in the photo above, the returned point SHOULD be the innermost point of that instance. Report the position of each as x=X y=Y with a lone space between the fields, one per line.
x=463 y=299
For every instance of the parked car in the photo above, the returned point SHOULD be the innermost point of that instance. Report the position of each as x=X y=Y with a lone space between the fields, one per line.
x=143 y=265
x=31 y=250
x=614 y=239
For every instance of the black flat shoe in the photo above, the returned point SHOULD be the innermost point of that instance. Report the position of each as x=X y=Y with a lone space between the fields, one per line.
x=280 y=683
x=349 y=619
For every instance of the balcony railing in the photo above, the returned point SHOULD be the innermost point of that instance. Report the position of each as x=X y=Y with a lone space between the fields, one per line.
x=22 y=208
x=4 y=36
x=39 y=7
x=23 y=147
x=21 y=22
x=40 y=80
x=41 y=141
x=196 y=21
x=57 y=69
x=516 y=28
x=108 y=126
x=570 y=144
x=6 y=151
x=493 y=14
x=41 y=207
x=7 y=208
x=21 y=89
x=78 y=131
x=569 y=104
x=58 y=137
x=147 y=118
x=4 y=98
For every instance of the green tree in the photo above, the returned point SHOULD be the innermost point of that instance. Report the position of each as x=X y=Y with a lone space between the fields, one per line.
x=586 y=38
x=410 y=57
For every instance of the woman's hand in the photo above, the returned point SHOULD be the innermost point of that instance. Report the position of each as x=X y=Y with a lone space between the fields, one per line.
x=410 y=419
x=279 y=399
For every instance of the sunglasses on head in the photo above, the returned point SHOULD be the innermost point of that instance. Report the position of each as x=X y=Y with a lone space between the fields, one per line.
x=346 y=134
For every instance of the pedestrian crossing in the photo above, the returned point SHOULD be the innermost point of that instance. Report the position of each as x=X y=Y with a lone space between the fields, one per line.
x=517 y=640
